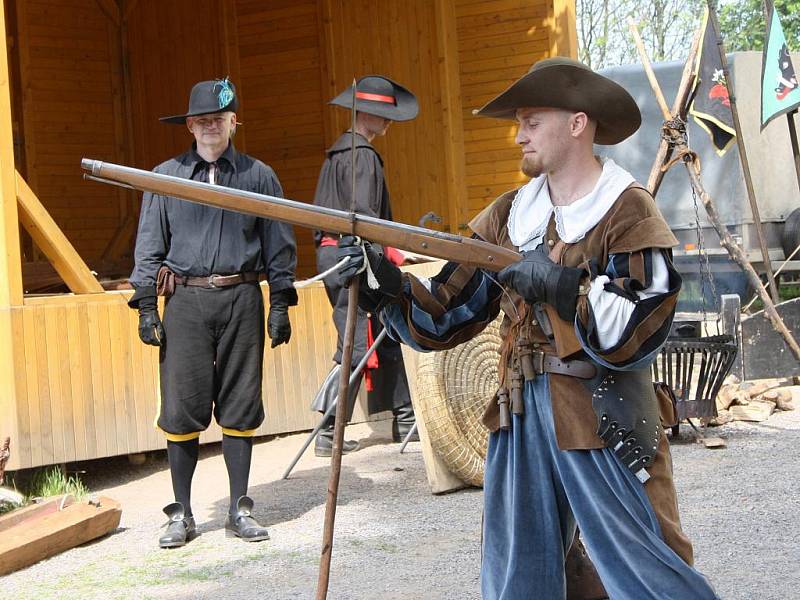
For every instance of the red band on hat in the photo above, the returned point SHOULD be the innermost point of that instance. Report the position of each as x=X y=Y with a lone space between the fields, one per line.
x=375 y=97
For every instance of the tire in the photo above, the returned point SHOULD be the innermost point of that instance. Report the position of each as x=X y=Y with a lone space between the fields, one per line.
x=790 y=236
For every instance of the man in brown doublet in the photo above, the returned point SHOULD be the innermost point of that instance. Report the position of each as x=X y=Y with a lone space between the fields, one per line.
x=576 y=437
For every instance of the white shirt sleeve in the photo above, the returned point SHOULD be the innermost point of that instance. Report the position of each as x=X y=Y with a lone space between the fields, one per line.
x=612 y=312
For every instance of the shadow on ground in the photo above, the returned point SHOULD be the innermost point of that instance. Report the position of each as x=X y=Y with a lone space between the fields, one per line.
x=289 y=499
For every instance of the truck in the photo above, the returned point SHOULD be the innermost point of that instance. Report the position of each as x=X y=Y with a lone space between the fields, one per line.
x=775 y=182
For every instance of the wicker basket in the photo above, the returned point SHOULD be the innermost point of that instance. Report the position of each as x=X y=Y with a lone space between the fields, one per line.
x=454 y=387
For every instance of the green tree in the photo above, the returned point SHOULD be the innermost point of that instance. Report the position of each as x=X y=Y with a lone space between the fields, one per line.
x=743 y=25
x=667 y=27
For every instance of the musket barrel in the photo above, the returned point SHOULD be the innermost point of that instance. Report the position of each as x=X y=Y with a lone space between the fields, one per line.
x=437 y=244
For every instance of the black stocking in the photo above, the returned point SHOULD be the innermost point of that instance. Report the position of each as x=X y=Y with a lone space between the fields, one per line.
x=182 y=461
x=237 y=452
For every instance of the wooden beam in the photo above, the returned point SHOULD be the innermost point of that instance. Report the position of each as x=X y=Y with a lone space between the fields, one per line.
x=52 y=241
x=10 y=258
x=51 y=534
x=455 y=160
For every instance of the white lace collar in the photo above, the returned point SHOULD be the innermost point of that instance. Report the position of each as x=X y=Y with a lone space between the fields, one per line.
x=532 y=207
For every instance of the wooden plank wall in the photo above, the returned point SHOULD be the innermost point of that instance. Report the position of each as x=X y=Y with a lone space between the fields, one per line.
x=66 y=63
x=283 y=104
x=171 y=46
x=498 y=40
x=87 y=387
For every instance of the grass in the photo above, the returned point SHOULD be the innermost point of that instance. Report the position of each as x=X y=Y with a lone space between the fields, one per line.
x=52 y=481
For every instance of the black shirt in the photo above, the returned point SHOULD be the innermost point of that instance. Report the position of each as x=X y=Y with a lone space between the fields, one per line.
x=334 y=186
x=197 y=240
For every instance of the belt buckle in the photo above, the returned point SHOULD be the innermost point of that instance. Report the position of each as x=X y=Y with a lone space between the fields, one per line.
x=211 y=283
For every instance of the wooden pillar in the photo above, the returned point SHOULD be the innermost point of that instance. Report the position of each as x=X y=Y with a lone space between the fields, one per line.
x=10 y=259
x=562 y=31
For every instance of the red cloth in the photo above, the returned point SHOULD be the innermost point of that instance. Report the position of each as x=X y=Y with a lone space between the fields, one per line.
x=372 y=361
x=327 y=241
x=394 y=255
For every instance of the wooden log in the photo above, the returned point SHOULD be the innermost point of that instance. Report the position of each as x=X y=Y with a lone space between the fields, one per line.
x=40 y=537
x=759 y=387
x=34 y=511
x=755 y=411
x=783 y=397
x=726 y=396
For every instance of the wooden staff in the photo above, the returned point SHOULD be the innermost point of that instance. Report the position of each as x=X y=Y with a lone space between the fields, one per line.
x=795 y=149
x=692 y=164
x=748 y=180
x=344 y=394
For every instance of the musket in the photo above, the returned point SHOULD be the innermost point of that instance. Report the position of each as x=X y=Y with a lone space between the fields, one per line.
x=437 y=244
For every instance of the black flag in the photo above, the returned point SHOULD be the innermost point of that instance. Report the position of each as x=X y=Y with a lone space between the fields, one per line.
x=711 y=106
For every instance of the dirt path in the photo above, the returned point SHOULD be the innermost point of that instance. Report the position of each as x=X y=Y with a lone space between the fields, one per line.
x=394 y=540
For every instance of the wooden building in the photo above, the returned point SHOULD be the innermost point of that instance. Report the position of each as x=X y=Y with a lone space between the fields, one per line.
x=89 y=78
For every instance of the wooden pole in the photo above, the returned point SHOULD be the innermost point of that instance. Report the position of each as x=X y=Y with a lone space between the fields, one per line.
x=344 y=391
x=795 y=149
x=735 y=252
x=748 y=180
x=658 y=170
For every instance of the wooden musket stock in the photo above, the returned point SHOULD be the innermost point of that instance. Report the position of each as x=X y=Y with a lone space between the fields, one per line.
x=437 y=244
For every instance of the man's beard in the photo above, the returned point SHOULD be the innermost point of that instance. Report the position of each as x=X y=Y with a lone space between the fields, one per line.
x=531 y=167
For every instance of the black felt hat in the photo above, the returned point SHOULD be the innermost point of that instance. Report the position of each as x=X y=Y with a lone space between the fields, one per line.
x=380 y=96
x=568 y=84
x=208 y=97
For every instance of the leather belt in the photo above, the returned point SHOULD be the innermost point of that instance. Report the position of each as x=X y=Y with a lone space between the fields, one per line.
x=217 y=281
x=536 y=362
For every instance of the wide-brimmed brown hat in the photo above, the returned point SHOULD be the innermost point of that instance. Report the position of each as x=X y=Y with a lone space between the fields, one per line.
x=208 y=98
x=380 y=96
x=568 y=84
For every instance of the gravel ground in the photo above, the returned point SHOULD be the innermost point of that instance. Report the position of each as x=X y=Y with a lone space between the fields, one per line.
x=395 y=540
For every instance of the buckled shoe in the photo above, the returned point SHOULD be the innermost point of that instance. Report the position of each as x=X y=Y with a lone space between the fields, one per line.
x=180 y=528
x=243 y=525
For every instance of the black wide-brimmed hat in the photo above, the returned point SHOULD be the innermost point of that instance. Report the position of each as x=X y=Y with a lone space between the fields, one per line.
x=208 y=97
x=380 y=96
x=568 y=84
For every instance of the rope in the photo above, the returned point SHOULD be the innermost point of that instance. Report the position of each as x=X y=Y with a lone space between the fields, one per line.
x=674 y=132
x=372 y=281
x=323 y=275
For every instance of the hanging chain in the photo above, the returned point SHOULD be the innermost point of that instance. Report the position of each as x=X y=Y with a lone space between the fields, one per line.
x=705 y=266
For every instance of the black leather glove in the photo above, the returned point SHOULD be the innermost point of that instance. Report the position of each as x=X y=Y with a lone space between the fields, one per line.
x=538 y=279
x=151 y=331
x=279 y=328
x=389 y=277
